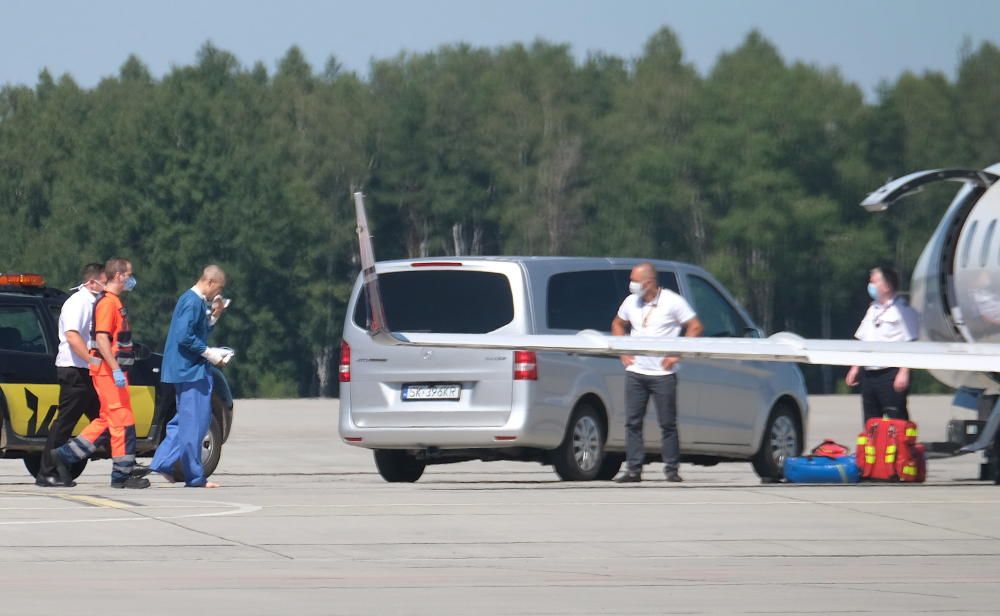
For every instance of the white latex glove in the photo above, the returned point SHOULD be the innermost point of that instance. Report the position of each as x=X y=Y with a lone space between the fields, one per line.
x=214 y=355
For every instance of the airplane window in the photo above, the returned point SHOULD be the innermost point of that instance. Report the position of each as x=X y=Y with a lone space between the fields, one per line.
x=984 y=254
x=968 y=244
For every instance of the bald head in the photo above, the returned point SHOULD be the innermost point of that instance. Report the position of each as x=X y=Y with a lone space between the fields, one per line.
x=213 y=273
x=643 y=281
x=643 y=272
x=212 y=281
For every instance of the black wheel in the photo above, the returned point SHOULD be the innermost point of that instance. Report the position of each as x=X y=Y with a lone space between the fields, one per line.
x=33 y=462
x=782 y=439
x=211 y=447
x=581 y=454
x=610 y=466
x=397 y=466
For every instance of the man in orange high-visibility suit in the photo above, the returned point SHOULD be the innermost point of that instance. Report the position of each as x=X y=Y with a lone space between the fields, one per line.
x=113 y=338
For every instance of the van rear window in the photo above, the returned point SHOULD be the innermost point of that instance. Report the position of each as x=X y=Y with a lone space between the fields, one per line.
x=442 y=302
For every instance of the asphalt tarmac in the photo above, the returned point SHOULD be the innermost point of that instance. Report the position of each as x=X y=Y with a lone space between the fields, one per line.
x=303 y=525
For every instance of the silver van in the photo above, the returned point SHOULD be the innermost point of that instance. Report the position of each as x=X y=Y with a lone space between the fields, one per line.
x=417 y=406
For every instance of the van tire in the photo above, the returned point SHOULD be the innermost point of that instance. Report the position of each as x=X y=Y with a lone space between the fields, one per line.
x=397 y=466
x=211 y=447
x=782 y=439
x=581 y=454
x=610 y=466
x=33 y=462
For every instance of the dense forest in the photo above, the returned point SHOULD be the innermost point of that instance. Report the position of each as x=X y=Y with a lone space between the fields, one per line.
x=753 y=170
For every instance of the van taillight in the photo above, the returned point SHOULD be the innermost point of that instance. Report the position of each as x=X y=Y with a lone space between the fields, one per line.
x=345 y=362
x=525 y=366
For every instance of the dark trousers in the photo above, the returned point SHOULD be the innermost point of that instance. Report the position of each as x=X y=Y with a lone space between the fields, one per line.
x=639 y=388
x=878 y=398
x=77 y=397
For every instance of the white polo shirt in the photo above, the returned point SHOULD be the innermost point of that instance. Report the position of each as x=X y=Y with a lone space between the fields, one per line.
x=77 y=314
x=894 y=321
x=661 y=318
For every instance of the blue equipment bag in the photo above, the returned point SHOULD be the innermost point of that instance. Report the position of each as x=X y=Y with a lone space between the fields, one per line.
x=821 y=469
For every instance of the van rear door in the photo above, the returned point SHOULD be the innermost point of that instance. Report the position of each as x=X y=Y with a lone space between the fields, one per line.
x=415 y=387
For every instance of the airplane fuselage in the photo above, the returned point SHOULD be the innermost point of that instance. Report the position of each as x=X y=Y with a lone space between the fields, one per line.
x=956 y=282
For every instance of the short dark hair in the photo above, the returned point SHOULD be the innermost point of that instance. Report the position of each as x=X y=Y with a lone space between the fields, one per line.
x=889 y=275
x=116 y=265
x=91 y=271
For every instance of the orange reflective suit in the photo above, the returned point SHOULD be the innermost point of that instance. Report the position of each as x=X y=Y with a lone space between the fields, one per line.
x=116 y=417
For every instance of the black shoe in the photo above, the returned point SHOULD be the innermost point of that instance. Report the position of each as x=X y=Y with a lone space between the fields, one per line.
x=132 y=483
x=140 y=471
x=48 y=481
x=674 y=477
x=61 y=469
x=629 y=478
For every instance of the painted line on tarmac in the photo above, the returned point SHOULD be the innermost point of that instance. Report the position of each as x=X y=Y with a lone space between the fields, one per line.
x=235 y=509
x=95 y=501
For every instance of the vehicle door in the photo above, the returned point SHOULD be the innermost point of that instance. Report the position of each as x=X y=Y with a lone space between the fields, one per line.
x=27 y=368
x=729 y=391
x=575 y=301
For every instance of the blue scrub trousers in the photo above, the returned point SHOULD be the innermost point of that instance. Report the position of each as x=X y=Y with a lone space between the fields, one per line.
x=186 y=431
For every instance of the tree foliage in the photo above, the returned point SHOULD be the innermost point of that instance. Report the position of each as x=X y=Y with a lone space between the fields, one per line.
x=753 y=171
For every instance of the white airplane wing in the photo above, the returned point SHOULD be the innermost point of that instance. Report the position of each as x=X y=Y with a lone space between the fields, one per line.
x=783 y=346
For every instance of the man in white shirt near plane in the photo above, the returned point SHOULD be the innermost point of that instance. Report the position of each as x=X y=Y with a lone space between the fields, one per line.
x=888 y=319
x=652 y=311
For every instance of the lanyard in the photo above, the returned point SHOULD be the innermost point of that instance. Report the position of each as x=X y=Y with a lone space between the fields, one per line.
x=652 y=306
x=877 y=318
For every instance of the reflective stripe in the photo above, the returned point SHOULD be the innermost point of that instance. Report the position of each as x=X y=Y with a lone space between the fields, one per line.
x=869 y=459
x=862 y=440
x=911 y=432
x=909 y=470
x=889 y=459
x=890 y=449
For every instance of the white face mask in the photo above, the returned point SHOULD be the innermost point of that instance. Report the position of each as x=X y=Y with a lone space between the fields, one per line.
x=635 y=288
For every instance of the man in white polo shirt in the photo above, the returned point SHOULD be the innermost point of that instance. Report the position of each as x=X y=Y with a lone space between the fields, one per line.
x=888 y=319
x=76 y=389
x=652 y=311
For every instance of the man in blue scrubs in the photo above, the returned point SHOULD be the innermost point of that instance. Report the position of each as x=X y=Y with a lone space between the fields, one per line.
x=186 y=356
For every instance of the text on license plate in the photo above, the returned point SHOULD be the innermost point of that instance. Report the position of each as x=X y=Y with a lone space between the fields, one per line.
x=449 y=391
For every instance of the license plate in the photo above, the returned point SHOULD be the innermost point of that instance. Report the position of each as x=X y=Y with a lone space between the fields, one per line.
x=432 y=392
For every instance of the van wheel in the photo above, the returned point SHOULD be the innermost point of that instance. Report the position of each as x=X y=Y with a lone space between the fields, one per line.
x=610 y=466
x=782 y=440
x=33 y=462
x=397 y=466
x=211 y=448
x=581 y=454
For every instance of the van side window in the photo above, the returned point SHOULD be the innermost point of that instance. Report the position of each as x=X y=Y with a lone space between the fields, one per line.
x=583 y=300
x=718 y=316
x=442 y=301
x=21 y=330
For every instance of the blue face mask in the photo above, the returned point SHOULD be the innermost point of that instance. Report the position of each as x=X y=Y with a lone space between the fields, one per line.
x=872 y=291
x=130 y=283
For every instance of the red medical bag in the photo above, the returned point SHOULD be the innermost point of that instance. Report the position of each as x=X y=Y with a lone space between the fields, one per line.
x=888 y=451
